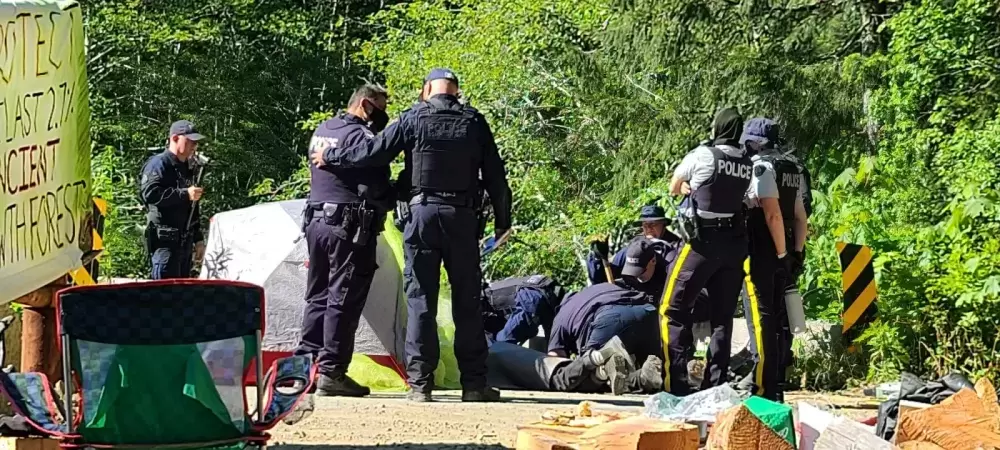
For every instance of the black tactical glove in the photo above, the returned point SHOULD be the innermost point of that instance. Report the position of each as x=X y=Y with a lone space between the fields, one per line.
x=785 y=265
x=600 y=247
x=799 y=263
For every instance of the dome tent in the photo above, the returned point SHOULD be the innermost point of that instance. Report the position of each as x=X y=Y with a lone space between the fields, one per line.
x=263 y=244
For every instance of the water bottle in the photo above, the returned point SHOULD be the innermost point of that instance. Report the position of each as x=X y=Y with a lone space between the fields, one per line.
x=796 y=313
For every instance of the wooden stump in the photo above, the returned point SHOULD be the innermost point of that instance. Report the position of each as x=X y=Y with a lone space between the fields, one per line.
x=534 y=440
x=20 y=443
x=961 y=422
x=739 y=429
x=39 y=342
x=640 y=433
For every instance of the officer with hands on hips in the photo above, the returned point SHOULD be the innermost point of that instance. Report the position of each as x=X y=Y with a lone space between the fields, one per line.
x=448 y=146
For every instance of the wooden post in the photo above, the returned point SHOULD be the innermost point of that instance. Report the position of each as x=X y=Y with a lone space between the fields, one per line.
x=39 y=343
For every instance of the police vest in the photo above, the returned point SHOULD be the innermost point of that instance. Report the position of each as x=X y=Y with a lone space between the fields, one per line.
x=807 y=191
x=723 y=193
x=336 y=184
x=446 y=157
x=788 y=178
x=501 y=294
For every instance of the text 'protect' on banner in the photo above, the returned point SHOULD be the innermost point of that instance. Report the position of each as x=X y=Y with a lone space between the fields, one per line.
x=45 y=184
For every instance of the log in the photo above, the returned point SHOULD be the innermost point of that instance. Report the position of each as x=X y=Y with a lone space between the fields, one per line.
x=739 y=429
x=22 y=443
x=961 y=422
x=640 y=433
x=920 y=445
x=843 y=434
x=534 y=440
x=988 y=396
x=563 y=433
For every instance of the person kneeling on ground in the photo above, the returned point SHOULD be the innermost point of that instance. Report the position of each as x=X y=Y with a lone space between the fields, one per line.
x=595 y=371
x=514 y=308
x=589 y=319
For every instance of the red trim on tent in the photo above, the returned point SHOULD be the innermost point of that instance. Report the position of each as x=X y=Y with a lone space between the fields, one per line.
x=270 y=357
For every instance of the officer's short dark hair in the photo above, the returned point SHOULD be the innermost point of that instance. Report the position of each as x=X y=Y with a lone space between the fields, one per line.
x=368 y=91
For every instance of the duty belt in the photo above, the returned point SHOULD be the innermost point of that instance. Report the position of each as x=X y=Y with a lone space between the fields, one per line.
x=721 y=222
x=443 y=198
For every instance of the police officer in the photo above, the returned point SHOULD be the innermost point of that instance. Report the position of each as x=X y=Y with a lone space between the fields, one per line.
x=448 y=147
x=653 y=221
x=523 y=304
x=344 y=214
x=167 y=191
x=715 y=178
x=591 y=318
x=776 y=224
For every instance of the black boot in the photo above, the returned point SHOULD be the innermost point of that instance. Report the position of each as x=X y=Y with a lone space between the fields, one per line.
x=484 y=395
x=339 y=385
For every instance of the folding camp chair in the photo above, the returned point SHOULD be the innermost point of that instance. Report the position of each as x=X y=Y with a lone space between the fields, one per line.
x=161 y=364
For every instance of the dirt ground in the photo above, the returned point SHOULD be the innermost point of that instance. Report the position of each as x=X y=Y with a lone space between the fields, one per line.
x=389 y=421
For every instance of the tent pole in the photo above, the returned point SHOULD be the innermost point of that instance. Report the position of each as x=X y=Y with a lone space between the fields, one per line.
x=260 y=377
x=67 y=388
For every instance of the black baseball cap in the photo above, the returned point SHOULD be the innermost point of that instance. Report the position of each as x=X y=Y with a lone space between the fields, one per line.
x=637 y=256
x=185 y=128
x=441 y=74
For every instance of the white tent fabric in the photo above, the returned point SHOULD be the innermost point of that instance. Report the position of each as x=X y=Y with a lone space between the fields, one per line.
x=263 y=245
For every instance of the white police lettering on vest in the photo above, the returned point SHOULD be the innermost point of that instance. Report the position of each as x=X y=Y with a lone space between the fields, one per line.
x=790 y=180
x=734 y=169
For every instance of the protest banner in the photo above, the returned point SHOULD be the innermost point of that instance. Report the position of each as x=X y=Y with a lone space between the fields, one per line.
x=45 y=200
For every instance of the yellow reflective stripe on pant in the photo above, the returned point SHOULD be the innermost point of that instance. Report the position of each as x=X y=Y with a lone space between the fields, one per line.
x=758 y=330
x=664 y=306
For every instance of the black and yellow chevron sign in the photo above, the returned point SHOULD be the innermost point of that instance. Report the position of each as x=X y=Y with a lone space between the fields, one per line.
x=88 y=273
x=859 y=286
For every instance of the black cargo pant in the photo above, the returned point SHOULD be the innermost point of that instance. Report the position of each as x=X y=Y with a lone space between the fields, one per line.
x=714 y=262
x=434 y=234
x=340 y=275
x=170 y=254
x=764 y=307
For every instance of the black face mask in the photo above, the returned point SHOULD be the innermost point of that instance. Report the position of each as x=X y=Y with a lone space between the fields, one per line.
x=378 y=119
x=633 y=282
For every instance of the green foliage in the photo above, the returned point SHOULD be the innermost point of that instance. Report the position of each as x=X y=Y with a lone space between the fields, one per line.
x=928 y=204
x=246 y=73
x=892 y=105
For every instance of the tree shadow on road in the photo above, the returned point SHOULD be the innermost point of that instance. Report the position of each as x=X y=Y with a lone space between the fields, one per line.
x=387 y=446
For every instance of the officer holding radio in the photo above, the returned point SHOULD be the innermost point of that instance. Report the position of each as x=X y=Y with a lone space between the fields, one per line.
x=345 y=212
x=714 y=177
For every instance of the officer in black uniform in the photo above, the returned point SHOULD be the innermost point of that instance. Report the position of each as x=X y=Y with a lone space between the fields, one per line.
x=515 y=307
x=344 y=214
x=715 y=178
x=776 y=223
x=168 y=193
x=448 y=147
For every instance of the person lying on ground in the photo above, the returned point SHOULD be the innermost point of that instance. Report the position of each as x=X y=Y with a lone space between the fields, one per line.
x=515 y=307
x=589 y=319
x=595 y=371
